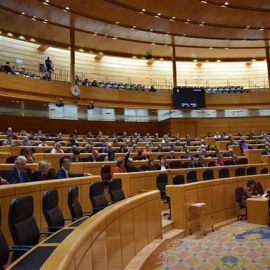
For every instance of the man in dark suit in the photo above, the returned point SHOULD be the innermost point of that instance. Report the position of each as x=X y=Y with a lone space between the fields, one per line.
x=266 y=151
x=171 y=155
x=17 y=174
x=192 y=163
x=200 y=162
x=64 y=172
x=95 y=157
x=233 y=161
x=187 y=155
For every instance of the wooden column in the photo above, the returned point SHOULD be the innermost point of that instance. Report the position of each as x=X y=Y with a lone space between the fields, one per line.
x=174 y=61
x=267 y=54
x=72 y=56
x=268 y=62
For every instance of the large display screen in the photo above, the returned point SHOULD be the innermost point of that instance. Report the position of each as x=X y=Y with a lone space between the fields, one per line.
x=188 y=97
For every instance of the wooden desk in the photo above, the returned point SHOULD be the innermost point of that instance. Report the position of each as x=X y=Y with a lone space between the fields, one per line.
x=257 y=211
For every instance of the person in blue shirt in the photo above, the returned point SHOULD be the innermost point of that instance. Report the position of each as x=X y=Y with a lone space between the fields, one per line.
x=64 y=171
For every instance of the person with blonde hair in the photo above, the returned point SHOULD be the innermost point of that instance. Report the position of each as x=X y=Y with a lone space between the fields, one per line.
x=41 y=171
x=57 y=148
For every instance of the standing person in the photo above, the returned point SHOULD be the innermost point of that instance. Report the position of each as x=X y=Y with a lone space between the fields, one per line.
x=49 y=69
x=64 y=171
x=17 y=174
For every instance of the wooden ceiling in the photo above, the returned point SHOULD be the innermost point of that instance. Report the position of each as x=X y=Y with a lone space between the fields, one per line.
x=233 y=30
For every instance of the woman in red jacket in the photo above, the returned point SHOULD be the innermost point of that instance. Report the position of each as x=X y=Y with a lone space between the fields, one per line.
x=120 y=166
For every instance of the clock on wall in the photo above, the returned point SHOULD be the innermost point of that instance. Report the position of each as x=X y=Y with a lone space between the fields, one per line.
x=75 y=90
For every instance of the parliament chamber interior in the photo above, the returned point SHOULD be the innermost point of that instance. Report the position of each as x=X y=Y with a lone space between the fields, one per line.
x=127 y=124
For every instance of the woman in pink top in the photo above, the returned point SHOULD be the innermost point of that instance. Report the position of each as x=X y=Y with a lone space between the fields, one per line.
x=219 y=161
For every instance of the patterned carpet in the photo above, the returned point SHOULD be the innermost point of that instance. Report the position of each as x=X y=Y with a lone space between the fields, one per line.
x=239 y=245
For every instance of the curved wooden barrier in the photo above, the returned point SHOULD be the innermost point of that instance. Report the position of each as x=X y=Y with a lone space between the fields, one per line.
x=109 y=239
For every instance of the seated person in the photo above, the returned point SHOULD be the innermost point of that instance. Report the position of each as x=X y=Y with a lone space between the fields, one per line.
x=76 y=156
x=25 y=142
x=171 y=155
x=187 y=155
x=129 y=164
x=41 y=171
x=9 y=140
x=120 y=166
x=72 y=142
x=249 y=191
x=108 y=148
x=43 y=142
x=200 y=162
x=28 y=153
x=150 y=165
x=64 y=171
x=7 y=68
x=192 y=163
x=139 y=156
x=17 y=174
x=266 y=151
x=219 y=161
x=110 y=156
x=152 y=89
x=147 y=149
x=234 y=160
x=95 y=157
x=122 y=148
x=88 y=148
x=229 y=153
x=57 y=148
x=162 y=164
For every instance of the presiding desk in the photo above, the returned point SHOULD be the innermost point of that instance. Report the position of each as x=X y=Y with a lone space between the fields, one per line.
x=257 y=210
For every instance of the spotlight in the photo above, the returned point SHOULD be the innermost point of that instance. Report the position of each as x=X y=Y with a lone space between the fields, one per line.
x=60 y=103
x=91 y=106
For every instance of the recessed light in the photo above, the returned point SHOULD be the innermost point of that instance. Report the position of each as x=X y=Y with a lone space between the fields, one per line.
x=204 y=2
x=67 y=8
x=116 y=22
x=143 y=10
x=22 y=13
x=226 y=3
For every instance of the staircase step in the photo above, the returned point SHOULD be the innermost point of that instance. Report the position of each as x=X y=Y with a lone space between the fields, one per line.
x=167 y=225
x=173 y=233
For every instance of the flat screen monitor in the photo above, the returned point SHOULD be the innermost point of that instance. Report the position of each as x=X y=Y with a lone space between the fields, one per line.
x=188 y=97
